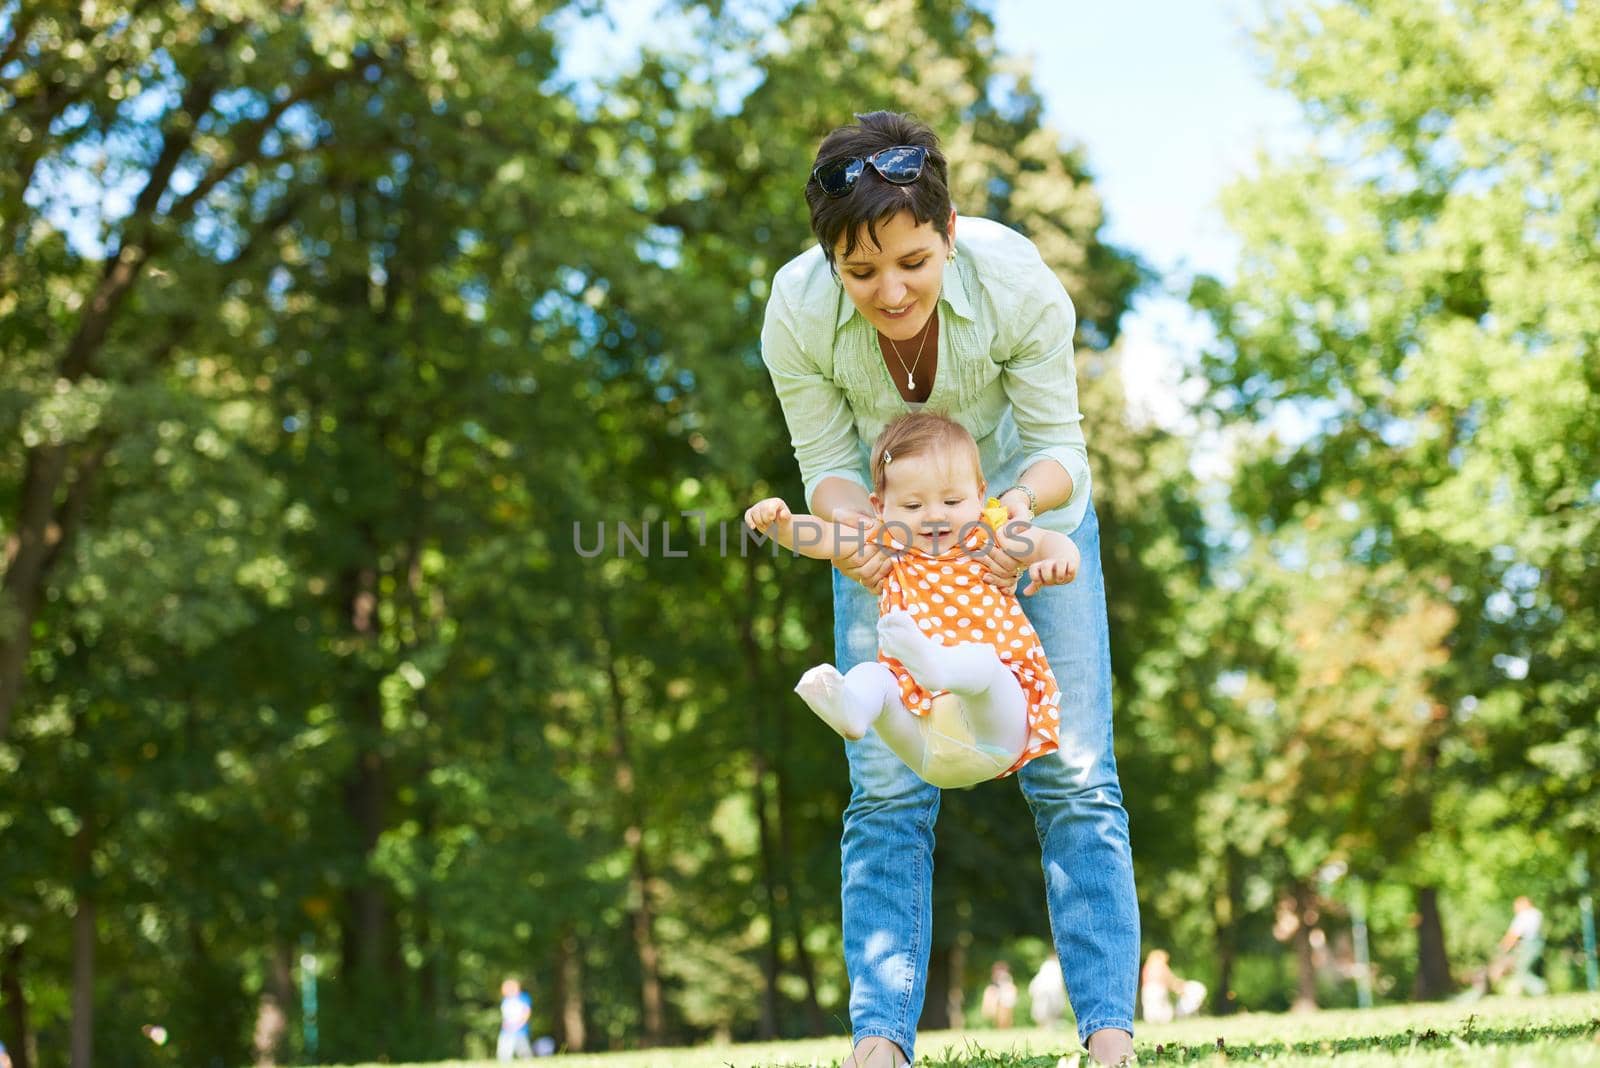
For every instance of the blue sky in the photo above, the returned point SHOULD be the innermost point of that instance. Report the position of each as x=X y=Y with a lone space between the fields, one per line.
x=1170 y=101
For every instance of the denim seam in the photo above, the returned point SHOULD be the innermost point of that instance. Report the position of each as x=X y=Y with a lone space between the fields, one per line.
x=924 y=887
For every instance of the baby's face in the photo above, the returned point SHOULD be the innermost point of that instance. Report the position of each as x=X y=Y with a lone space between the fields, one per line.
x=931 y=498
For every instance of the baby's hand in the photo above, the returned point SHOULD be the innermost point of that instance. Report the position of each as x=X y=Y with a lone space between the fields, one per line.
x=1056 y=571
x=763 y=514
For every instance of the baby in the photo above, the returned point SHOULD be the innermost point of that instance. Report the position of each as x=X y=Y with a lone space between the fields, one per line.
x=961 y=691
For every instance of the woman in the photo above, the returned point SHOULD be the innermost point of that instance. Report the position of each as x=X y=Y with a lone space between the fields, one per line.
x=887 y=314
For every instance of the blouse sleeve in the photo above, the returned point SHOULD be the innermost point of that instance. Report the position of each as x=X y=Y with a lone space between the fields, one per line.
x=1040 y=380
x=821 y=427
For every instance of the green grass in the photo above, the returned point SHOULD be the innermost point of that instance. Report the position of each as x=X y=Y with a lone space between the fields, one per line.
x=1553 y=1032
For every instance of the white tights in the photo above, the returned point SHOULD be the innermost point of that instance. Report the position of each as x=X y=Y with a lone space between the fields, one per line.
x=868 y=697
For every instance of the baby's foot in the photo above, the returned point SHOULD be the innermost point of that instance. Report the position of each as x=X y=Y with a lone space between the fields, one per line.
x=900 y=637
x=822 y=688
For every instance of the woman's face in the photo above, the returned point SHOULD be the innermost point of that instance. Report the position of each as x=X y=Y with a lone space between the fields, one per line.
x=895 y=284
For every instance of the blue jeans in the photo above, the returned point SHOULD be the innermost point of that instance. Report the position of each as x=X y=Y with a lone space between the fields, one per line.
x=887 y=851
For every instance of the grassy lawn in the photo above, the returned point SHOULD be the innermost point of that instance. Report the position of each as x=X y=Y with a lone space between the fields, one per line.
x=1553 y=1032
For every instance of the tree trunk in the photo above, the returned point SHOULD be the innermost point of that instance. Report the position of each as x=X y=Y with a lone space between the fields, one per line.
x=650 y=995
x=936 y=1004
x=433 y=990
x=277 y=1006
x=956 y=996
x=427 y=973
x=280 y=973
x=26 y=1053
x=369 y=948
x=1433 y=960
x=761 y=746
x=802 y=956
x=1305 y=999
x=1433 y=964
x=84 y=925
x=1225 y=908
x=768 y=1026
x=44 y=528
x=570 y=1034
x=365 y=943
x=775 y=863
x=83 y=947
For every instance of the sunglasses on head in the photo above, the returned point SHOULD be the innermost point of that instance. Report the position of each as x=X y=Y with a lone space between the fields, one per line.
x=900 y=165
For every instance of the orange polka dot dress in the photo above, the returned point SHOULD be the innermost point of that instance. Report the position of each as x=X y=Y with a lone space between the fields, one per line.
x=952 y=604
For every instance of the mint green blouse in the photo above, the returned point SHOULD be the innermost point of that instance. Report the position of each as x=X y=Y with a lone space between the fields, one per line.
x=1005 y=370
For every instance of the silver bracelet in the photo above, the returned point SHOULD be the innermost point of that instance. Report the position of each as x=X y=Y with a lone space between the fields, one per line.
x=1033 y=498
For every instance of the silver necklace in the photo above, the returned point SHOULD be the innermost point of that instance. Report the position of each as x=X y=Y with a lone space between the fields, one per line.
x=911 y=380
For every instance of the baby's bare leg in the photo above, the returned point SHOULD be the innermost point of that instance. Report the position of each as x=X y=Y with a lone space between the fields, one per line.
x=996 y=706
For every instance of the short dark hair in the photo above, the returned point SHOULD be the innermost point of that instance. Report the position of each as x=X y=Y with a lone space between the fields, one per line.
x=872 y=200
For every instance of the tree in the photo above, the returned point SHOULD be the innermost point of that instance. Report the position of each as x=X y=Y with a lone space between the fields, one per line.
x=1413 y=299
x=307 y=440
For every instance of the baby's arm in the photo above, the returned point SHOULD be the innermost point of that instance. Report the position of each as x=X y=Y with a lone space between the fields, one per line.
x=819 y=539
x=1052 y=558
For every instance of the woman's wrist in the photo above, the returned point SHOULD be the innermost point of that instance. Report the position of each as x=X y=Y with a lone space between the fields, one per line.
x=1019 y=498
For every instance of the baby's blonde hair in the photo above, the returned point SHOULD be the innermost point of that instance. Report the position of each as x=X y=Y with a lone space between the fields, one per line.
x=921 y=434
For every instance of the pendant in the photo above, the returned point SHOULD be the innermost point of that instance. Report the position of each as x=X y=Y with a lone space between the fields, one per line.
x=911 y=383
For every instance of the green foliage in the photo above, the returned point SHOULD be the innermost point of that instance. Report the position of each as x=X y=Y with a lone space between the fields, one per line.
x=307 y=429
x=1407 y=356
x=306 y=439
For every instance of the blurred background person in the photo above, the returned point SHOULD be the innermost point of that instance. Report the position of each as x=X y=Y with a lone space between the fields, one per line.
x=1521 y=949
x=1000 y=996
x=1047 y=993
x=1159 y=985
x=516 y=1008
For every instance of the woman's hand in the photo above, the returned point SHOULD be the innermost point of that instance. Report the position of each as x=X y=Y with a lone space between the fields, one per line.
x=1018 y=505
x=869 y=563
x=1003 y=561
x=1002 y=558
x=761 y=515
